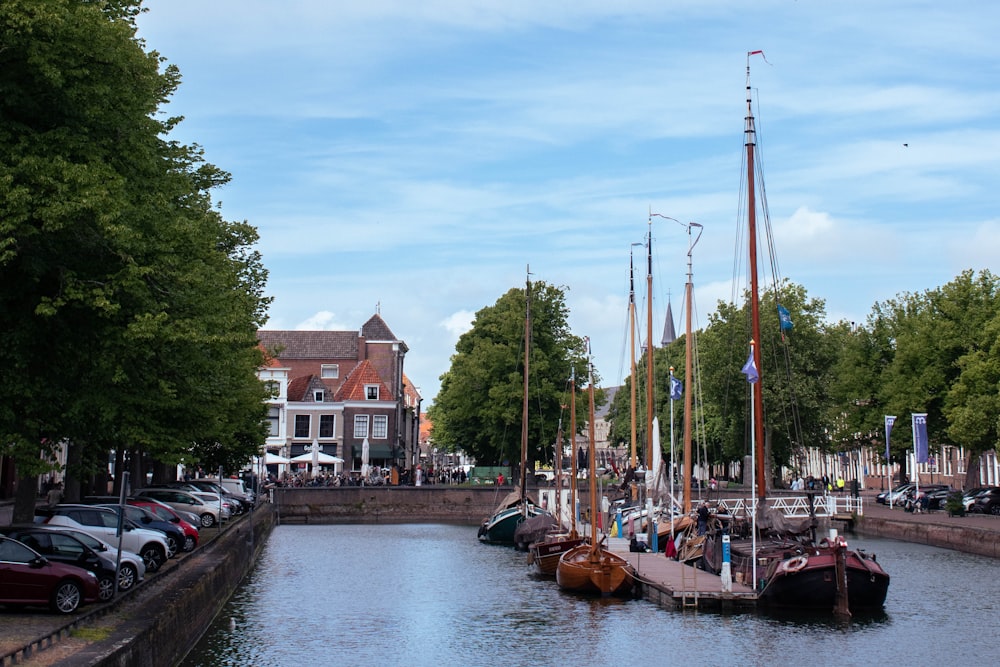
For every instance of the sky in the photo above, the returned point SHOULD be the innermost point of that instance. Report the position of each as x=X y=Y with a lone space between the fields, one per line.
x=415 y=158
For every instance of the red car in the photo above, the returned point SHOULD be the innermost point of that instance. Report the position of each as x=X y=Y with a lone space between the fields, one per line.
x=27 y=577
x=167 y=513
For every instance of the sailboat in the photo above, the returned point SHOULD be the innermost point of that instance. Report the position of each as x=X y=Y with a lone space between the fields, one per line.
x=791 y=569
x=589 y=568
x=545 y=553
x=516 y=506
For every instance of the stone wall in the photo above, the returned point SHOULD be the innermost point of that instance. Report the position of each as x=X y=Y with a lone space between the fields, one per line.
x=960 y=538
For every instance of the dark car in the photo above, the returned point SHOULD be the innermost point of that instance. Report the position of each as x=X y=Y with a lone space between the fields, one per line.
x=143 y=518
x=63 y=548
x=27 y=577
x=987 y=502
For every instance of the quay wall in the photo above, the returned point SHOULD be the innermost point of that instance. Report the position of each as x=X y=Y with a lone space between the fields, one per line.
x=970 y=539
x=180 y=605
x=391 y=504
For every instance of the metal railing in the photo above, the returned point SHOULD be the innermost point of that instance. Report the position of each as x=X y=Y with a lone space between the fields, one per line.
x=796 y=506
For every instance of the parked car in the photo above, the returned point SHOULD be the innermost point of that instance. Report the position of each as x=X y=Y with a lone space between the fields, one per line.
x=935 y=495
x=64 y=548
x=218 y=501
x=208 y=514
x=232 y=505
x=102 y=523
x=987 y=502
x=895 y=495
x=27 y=577
x=239 y=501
x=168 y=513
x=234 y=486
x=133 y=568
x=969 y=496
x=143 y=518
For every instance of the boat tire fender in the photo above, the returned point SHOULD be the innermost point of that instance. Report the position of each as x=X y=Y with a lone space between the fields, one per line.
x=795 y=564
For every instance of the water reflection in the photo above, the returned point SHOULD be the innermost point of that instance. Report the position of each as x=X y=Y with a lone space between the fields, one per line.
x=432 y=594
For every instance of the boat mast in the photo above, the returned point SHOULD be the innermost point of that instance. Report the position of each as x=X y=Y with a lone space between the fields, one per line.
x=572 y=449
x=595 y=544
x=688 y=371
x=524 y=404
x=649 y=349
x=756 y=387
x=631 y=328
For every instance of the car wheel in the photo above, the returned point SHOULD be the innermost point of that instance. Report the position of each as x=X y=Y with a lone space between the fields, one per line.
x=153 y=557
x=207 y=520
x=995 y=510
x=128 y=576
x=106 y=587
x=67 y=596
x=189 y=543
x=171 y=546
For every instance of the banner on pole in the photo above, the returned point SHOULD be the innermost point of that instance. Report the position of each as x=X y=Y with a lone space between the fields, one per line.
x=889 y=421
x=920 y=446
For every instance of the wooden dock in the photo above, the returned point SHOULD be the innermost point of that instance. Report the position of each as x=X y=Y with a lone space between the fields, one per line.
x=678 y=586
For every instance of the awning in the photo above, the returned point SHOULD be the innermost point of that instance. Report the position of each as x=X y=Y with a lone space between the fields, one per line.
x=375 y=451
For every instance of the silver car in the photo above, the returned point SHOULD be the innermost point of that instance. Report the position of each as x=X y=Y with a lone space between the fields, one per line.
x=133 y=569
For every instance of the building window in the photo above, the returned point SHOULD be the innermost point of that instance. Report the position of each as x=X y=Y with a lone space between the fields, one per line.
x=371 y=392
x=273 y=421
x=273 y=388
x=301 y=426
x=380 y=426
x=326 y=423
x=330 y=371
x=360 y=426
x=318 y=396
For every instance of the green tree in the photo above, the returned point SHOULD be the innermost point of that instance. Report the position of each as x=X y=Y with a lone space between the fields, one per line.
x=479 y=406
x=128 y=306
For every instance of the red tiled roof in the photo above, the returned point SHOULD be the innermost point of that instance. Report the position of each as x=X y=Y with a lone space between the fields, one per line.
x=363 y=374
x=310 y=344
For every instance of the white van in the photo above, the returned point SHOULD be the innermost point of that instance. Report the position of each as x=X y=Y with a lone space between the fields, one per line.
x=233 y=486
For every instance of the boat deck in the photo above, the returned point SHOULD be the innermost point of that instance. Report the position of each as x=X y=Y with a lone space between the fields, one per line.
x=673 y=584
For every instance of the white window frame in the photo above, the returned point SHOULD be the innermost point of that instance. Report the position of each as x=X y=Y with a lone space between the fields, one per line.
x=333 y=426
x=295 y=426
x=318 y=396
x=329 y=371
x=273 y=421
x=369 y=390
x=380 y=427
x=360 y=426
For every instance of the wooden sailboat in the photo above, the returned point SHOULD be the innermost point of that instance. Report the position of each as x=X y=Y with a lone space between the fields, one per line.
x=791 y=569
x=545 y=554
x=589 y=568
x=516 y=507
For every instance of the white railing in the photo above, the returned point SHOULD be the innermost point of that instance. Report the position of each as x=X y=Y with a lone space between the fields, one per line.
x=796 y=506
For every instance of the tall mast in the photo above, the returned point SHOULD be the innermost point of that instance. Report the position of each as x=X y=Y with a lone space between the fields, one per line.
x=758 y=404
x=631 y=329
x=595 y=544
x=649 y=349
x=524 y=404
x=688 y=371
x=572 y=439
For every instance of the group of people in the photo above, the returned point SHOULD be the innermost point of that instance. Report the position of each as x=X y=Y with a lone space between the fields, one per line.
x=823 y=483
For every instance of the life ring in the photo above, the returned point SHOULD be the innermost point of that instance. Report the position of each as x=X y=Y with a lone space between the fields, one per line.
x=795 y=564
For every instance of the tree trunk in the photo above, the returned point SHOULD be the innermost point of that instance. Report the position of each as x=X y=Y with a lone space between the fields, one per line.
x=25 y=499
x=71 y=480
x=972 y=471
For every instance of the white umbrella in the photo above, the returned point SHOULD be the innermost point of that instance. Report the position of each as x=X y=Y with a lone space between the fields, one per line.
x=321 y=458
x=274 y=459
x=364 y=458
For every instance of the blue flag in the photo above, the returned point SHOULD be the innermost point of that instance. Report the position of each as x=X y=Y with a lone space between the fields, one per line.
x=750 y=369
x=785 y=318
x=676 y=388
x=889 y=421
x=920 y=436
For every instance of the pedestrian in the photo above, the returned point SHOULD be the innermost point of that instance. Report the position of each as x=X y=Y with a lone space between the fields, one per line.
x=703 y=518
x=55 y=494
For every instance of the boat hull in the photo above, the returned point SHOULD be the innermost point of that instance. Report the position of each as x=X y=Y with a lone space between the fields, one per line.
x=499 y=528
x=545 y=555
x=814 y=585
x=584 y=569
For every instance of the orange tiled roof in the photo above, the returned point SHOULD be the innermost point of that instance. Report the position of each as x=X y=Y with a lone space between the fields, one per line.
x=363 y=374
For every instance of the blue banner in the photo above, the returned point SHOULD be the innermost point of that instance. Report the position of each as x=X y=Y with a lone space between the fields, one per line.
x=889 y=421
x=920 y=436
x=676 y=389
x=785 y=318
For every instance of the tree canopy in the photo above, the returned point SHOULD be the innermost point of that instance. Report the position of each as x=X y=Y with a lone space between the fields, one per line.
x=479 y=406
x=128 y=306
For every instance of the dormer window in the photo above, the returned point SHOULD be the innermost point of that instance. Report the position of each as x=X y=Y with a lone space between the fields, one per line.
x=318 y=396
x=371 y=392
x=329 y=371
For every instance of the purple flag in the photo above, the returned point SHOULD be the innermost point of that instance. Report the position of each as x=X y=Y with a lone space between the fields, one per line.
x=889 y=421
x=920 y=436
x=750 y=369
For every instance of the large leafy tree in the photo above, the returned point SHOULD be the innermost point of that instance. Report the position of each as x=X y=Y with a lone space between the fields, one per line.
x=479 y=406
x=128 y=307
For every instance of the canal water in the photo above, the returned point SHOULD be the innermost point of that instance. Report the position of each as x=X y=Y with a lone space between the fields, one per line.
x=432 y=594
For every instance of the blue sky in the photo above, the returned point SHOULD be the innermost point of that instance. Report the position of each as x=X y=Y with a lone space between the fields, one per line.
x=415 y=157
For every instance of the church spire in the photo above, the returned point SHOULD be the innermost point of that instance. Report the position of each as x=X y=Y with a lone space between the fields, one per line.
x=669 y=335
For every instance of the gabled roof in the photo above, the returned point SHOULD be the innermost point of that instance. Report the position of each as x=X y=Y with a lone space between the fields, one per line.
x=363 y=374
x=300 y=389
x=310 y=344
